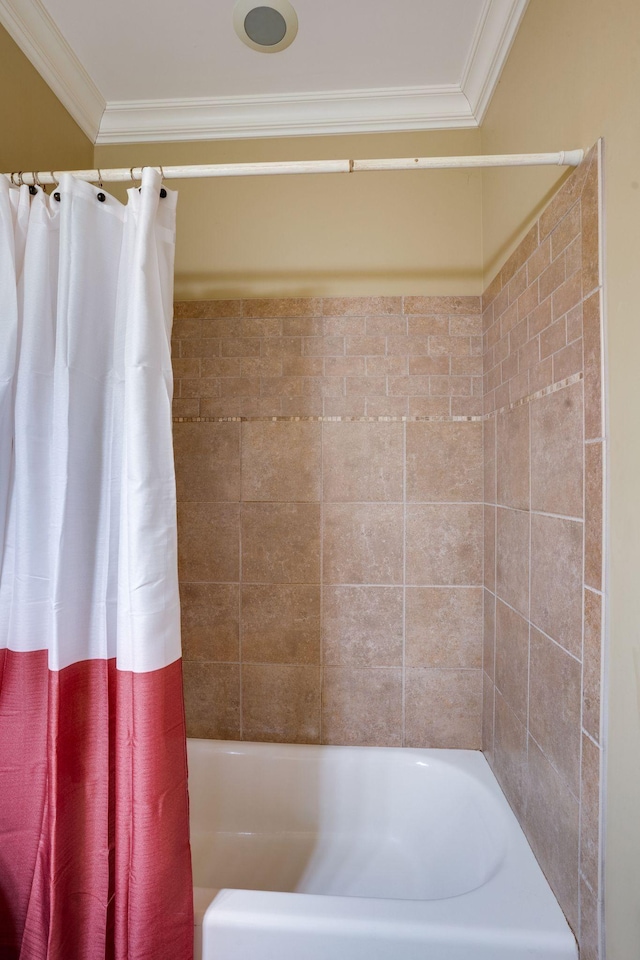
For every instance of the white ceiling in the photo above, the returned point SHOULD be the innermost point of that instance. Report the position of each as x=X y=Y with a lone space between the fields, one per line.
x=177 y=71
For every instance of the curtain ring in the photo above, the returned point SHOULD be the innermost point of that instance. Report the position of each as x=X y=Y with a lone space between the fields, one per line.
x=100 y=183
x=18 y=183
x=163 y=192
x=133 y=179
x=39 y=182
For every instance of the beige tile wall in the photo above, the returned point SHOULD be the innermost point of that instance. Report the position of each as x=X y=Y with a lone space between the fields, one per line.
x=333 y=457
x=331 y=565
x=543 y=615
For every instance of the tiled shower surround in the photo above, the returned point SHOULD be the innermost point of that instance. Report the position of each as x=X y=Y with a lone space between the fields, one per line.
x=314 y=551
x=390 y=526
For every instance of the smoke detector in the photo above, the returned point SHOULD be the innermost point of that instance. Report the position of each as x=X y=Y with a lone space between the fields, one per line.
x=267 y=27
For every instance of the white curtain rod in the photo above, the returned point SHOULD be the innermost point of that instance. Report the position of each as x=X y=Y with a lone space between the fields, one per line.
x=567 y=158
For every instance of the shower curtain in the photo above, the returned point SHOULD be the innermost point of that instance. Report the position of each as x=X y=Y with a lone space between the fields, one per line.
x=94 y=850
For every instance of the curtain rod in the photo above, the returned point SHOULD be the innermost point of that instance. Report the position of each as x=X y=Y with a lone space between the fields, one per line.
x=569 y=158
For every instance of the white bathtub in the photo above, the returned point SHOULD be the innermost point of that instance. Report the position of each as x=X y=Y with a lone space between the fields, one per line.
x=362 y=853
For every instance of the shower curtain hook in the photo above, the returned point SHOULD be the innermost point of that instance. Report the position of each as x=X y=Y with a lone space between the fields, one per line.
x=163 y=192
x=33 y=190
x=38 y=182
x=100 y=184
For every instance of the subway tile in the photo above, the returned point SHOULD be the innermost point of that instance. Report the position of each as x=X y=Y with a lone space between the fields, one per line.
x=566 y=231
x=552 y=278
x=590 y=238
x=429 y=326
x=512 y=559
x=407 y=346
x=423 y=406
x=557 y=452
x=444 y=627
x=489 y=634
x=539 y=260
x=281 y=542
x=431 y=451
x=556 y=580
x=449 y=346
x=361 y=306
x=186 y=407
x=362 y=461
x=362 y=543
x=345 y=366
x=344 y=406
x=563 y=200
x=444 y=544
x=207 y=309
x=362 y=706
x=567 y=361
x=260 y=406
x=442 y=305
x=512 y=457
x=221 y=367
x=281 y=386
x=220 y=407
x=302 y=326
x=540 y=318
x=344 y=327
x=323 y=386
x=364 y=346
x=552 y=828
x=554 y=707
x=207 y=459
x=281 y=702
x=443 y=708
x=366 y=386
x=323 y=346
x=590 y=812
x=566 y=296
x=240 y=347
x=218 y=327
x=450 y=386
x=212 y=699
x=592 y=367
x=208 y=541
x=283 y=348
x=553 y=338
x=302 y=406
x=387 y=406
x=488 y=704
x=186 y=329
x=281 y=623
x=387 y=366
x=281 y=461
x=593 y=515
x=592 y=663
x=428 y=366
x=302 y=366
x=467 y=406
x=210 y=621
x=362 y=626
x=386 y=326
x=489 y=546
x=589 y=937
x=200 y=348
x=261 y=327
x=262 y=367
x=510 y=755
x=512 y=659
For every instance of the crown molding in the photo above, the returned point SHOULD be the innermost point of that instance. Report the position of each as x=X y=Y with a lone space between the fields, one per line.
x=495 y=33
x=38 y=37
x=340 y=111
x=212 y=118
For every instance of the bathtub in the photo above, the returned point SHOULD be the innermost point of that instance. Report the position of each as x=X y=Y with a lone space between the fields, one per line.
x=362 y=853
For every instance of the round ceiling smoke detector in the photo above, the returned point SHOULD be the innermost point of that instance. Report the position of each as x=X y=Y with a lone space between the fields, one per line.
x=267 y=27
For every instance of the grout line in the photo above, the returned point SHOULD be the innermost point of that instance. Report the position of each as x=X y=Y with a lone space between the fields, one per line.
x=539 y=629
x=529 y=426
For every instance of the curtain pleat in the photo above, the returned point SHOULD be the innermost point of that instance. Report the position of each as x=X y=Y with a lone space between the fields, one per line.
x=94 y=849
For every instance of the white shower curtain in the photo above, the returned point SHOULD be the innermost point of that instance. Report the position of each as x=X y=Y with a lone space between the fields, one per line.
x=94 y=852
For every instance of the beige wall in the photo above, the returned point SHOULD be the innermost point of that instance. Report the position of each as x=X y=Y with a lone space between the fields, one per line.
x=573 y=76
x=37 y=132
x=332 y=235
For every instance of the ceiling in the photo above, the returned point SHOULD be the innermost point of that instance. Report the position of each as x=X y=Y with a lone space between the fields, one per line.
x=136 y=71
